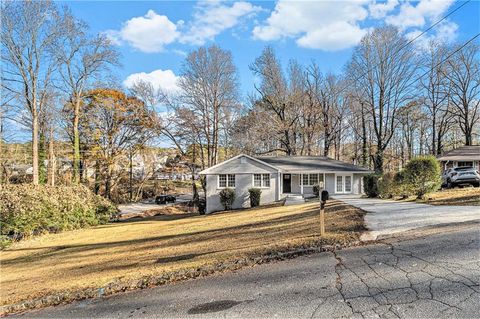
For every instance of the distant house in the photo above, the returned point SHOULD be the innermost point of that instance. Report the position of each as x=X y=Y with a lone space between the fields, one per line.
x=462 y=156
x=279 y=177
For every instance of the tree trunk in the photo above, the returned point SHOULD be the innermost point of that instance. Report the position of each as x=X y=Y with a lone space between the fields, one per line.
x=378 y=162
x=51 y=160
x=108 y=182
x=97 y=176
x=35 y=146
x=364 y=143
x=130 y=176
x=434 y=132
x=42 y=156
x=468 y=136
x=76 y=141
x=326 y=145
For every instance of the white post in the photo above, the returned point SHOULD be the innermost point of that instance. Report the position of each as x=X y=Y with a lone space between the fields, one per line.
x=301 y=184
x=279 y=183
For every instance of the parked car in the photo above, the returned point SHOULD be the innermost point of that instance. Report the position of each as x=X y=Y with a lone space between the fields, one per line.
x=449 y=173
x=165 y=199
x=465 y=177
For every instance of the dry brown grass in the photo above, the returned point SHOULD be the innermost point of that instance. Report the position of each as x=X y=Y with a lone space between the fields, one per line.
x=456 y=196
x=151 y=246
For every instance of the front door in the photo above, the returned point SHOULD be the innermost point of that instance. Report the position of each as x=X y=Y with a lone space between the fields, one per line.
x=287 y=183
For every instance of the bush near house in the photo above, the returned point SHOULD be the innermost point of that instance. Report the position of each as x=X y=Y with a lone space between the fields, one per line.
x=386 y=185
x=27 y=210
x=422 y=175
x=419 y=177
x=370 y=185
x=227 y=196
x=316 y=190
x=401 y=187
x=255 y=194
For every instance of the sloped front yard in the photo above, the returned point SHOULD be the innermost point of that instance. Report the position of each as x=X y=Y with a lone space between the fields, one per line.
x=153 y=247
x=469 y=196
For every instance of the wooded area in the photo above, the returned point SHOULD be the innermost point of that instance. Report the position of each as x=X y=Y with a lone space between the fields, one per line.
x=394 y=100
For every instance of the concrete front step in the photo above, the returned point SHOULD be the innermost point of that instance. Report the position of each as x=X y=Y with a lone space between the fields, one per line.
x=294 y=200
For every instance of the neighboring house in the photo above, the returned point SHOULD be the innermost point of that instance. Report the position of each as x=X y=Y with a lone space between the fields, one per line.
x=462 y=156
x=279 y=177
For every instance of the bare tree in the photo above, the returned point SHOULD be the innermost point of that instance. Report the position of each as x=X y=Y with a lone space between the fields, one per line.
x=333 y=105
x=360 y=124
x=29 y=30
x=409 y=124
x=274 y=97
x=311 y=113
x=435 y=86
x=81 y=59
x=209 y=84
x=383 y=68
x=463 y=72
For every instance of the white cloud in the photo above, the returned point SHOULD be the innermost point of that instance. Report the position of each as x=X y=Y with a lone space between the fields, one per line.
x=325 y=25
x=411 y=18
x=148 y=33
x=417 y=15
x=446 y=32
x=152 y=32
x=327 y=37
x=180 y=53
x=163 y=79
x=380 y=10
x=213 y=17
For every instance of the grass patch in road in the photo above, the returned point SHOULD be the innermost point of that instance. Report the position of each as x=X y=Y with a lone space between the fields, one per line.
x=130 y=250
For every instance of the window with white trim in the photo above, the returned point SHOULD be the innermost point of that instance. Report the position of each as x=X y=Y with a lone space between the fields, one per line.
x=339 y=184
x=311 y=179
x=266 y=180
x=305 y=179
x=348 y=184
x=226 y=180
x=261 y=180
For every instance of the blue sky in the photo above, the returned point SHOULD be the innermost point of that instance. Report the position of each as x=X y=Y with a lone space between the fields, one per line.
x=154 y=36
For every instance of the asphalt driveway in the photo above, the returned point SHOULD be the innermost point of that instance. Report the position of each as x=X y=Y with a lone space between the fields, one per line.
x=386 y=217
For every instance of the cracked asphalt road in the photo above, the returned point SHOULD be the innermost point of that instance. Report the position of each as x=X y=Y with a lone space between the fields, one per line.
x=433 y=276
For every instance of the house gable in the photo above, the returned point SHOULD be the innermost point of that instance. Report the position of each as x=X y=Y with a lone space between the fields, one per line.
x=241 y=164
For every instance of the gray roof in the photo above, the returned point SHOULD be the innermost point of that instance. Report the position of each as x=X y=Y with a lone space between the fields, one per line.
x=464 y=153
x=310 y=164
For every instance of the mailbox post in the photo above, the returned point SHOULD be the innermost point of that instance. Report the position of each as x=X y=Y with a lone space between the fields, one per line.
x=323 y=200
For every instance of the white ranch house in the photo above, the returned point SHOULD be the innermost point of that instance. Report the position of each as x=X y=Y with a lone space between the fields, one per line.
x=279 y=177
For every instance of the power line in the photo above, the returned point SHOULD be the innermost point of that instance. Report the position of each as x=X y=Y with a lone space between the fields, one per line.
x=415 y=38
x=449 y=56
x=436 y=23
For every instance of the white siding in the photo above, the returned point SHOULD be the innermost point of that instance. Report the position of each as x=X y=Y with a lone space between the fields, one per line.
x=243 y=171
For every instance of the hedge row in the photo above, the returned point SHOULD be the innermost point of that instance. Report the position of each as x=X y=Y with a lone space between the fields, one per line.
x=420 y=176
x=27 y=210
